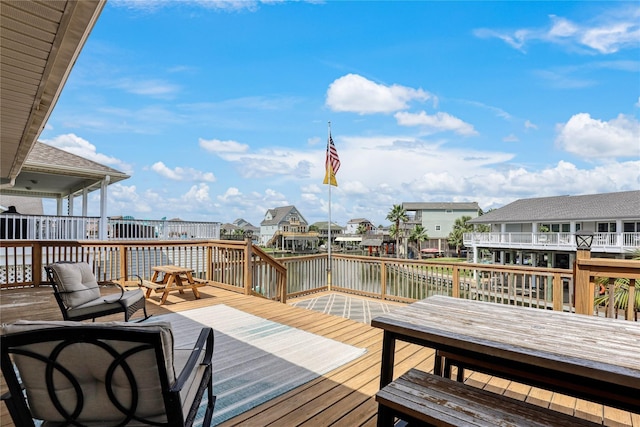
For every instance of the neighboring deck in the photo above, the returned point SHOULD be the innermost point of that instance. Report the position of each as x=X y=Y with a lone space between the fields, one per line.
x=343 y=397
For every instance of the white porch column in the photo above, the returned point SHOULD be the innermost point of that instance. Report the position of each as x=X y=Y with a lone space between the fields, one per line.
x=59 y=206
x=85 y=198
x=102 y=234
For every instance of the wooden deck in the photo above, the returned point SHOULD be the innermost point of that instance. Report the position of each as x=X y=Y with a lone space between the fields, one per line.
x=343 y=397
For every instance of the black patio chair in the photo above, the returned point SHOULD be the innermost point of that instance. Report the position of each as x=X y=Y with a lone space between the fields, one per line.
x=114 y=373
x=78 y=294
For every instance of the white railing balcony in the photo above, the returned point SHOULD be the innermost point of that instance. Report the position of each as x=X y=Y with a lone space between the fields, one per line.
x=49 y=227
x=602 y=242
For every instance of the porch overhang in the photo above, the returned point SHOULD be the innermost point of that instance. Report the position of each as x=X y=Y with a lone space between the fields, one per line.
x=40 y=44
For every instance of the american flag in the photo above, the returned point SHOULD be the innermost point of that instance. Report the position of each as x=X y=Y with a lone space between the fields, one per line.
x=332 y=156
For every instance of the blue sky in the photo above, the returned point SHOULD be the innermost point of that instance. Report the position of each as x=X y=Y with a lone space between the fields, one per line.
x=219 y=109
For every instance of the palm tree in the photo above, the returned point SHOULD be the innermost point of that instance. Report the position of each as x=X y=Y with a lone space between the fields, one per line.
x=396 y=215
x=620 y=291
x=418 y=235
x=362 y=229
x=460 y=226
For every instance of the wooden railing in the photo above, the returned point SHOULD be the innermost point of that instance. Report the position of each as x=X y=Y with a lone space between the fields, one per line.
x=233 y=265
x=242 y=267
x=588 y=270
x=411 y=280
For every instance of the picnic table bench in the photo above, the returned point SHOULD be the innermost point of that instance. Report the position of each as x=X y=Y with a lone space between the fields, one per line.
x=422 y=398
x=169 y=278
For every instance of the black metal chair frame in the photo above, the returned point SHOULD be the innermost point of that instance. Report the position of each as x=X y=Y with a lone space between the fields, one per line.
x=16 y=401
x=116 y=307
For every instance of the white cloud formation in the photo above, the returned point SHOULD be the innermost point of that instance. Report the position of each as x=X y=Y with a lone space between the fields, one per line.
x=222 y=5
x=592 y=138
x=81 y=147
x=198 y=193
x=356 y=94
x=217 y=146
x=182 y=174
x=511 y=138
x=606 y=34
x=437 y=122
x=154 y=88
x=529 y=125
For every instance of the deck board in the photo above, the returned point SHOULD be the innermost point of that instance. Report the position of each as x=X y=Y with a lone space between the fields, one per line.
x=343 y=397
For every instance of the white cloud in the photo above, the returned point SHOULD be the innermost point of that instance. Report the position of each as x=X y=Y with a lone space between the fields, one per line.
x=597 y=139
x=217 y=146
x=607 y=33
x=182 y=174
x=153 y=88
x=81 y=147
x=198 y=193
x=529 y=125
x=511 y=138
x=356 y=94
x=613 y=37
x=222 y=5
x=437 y=122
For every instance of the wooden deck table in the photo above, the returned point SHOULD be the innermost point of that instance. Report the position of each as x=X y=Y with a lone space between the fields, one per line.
x=589 y=357
x=168 y=278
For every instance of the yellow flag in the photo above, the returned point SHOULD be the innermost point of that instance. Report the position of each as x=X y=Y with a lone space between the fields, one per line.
x=331 y=163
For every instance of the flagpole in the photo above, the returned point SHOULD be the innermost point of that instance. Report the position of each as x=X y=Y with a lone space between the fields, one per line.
x=329 y=241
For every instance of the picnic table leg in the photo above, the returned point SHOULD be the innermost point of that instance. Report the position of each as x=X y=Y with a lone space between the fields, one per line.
x=178 y=281
x=194 y=286
x=165 y=294
x=388 y=356
x=168 y=281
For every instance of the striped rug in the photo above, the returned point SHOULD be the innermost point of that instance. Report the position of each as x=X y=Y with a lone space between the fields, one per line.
x=359 y=309
x=255 y=360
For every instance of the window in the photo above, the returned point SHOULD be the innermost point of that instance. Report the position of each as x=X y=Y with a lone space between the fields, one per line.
x=631 y=227
x=437 y=228
x=606 y=227
x=448 y=211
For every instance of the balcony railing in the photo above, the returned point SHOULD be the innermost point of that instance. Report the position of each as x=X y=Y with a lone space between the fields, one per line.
x=602 y=242
x=47 y=227
x=245 y=268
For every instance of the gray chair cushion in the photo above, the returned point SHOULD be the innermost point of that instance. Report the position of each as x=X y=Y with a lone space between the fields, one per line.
x=76 y=283
x=88 y=363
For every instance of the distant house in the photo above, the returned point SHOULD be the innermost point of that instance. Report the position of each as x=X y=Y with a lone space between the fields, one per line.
x=248 y=229
x=438 y=219
x=323 y=230
x=286 y=229
x=354 y=224
x=541 y=231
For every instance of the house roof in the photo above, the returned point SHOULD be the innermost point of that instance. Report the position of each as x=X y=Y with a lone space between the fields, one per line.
x=324 y=225
x=593 y=207
x=40 y=44
x=51 y=172
x=278 y=215
x=425 y=206
x=358 y=221
x=371 y=242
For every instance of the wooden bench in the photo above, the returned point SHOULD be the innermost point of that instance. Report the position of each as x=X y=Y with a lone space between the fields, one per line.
x=421 y=398
x=159 y=287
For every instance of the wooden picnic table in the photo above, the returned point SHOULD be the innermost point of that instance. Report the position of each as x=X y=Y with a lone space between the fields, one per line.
x=589 y=357
x=168 y=278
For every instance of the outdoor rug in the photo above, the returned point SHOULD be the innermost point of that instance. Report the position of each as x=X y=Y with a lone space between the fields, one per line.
x=359 y=309
x=255 y=360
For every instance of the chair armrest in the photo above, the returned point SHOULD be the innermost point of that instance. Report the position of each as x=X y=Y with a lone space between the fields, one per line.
x=205 y=339
x=122 y=290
